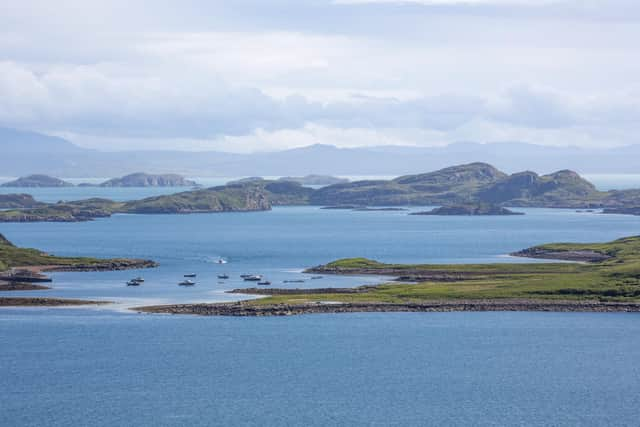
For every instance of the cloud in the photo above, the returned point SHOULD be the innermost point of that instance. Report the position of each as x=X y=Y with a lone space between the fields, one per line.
x=281 y=72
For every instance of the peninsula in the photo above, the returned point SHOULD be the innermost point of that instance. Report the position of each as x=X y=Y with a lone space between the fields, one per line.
x=607 y=279
x=21 y=270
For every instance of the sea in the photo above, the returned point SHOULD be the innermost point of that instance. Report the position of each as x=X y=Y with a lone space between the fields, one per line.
x=109 y=365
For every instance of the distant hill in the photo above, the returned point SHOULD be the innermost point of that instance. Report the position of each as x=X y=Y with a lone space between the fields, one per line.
x=470 y=189
x=315 y=179
x=29 y=152
x=37 y=181
x=149 y=180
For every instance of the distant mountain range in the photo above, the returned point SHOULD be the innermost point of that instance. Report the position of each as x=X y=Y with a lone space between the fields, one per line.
x=24 y=153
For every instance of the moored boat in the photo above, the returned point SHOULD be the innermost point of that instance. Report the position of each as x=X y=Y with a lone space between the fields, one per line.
x=223 y=276
x=187 y=283
x=253 y=278
x=133 y=283
x=264 y=282
x=190 y=275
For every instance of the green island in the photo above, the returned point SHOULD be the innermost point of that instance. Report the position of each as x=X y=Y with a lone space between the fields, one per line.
x=479 y=185
x=21 y=269
x=606 y=278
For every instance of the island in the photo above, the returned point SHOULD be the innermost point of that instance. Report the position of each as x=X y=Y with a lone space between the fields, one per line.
x=469 y=210
x=21 y=269
x=238 y=198
x=141 y=179
x=18 y=201
x=472 y=184
x=315 y=179
x=37 y=181
x=608 y=279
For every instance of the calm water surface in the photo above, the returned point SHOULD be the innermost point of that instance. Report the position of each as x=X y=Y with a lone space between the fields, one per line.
x=462 y=369
x=109 y=366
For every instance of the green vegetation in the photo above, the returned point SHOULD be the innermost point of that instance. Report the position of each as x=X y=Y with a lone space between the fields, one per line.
x=37 y=181
x=13 y=256
x=232 y=198
x=615 y=279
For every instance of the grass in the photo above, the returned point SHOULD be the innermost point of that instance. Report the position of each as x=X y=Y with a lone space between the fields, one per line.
x=615 y=279
x=12 y=256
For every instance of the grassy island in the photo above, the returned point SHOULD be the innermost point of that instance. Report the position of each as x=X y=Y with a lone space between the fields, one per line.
x=607 y=278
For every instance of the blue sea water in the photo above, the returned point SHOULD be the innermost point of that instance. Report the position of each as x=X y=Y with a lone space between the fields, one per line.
x=111 y=366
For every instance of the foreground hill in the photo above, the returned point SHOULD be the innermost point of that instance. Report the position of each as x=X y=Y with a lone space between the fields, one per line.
x=37 y=181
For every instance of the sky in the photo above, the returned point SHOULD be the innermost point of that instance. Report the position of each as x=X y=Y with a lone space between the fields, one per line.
x=259 y=75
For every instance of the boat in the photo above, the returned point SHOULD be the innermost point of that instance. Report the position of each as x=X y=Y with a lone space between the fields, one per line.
x=293 y=281
x=316 y=277
x=223 y=276
x=221 y=261
x=133 y=282
x=187 y=283
x=190 y=275
x=253 y=278
x=264 y=282
x=138 y=279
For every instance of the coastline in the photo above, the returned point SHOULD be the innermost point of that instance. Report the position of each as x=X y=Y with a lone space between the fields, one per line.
x=243 y=309
x=46 y=302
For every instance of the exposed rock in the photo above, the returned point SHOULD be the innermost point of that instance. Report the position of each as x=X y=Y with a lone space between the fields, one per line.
x=45 y=302
x=249 y=309
x=573 y=255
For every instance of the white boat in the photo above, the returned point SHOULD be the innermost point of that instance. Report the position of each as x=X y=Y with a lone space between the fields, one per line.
x=265 y=282
x=221 y=261
x=190 y=275
x=187 y=283
x=133 y=282
x=253 y=278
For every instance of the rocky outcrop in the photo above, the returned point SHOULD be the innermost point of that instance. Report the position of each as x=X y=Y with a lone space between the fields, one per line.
x=569 y=255
x=108 y=265
x=37 y=181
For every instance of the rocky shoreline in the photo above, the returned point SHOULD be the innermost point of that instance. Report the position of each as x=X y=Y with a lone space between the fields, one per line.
x=111 y=265
x=244 y=309
x=19 y=286
x=575 y=255
x=45 y=302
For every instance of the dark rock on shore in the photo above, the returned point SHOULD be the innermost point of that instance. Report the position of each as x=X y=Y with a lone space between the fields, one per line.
x=573 y=255
x=19 y=286
x=111 y=265
x=249 y=309
x=631 y=210
x=45 y=302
